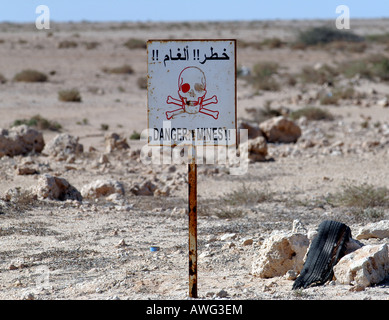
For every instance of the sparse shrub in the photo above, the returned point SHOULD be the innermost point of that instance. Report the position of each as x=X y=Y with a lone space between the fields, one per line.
x=2 y=79
x=265 y=69
x=91 y=45
x=135 y=44
x=362 y=196
x=67 y=44
x=371 y=67
x=104 y=127
x=72 y=95
x=142 y=82
x=357 y=47
x=135 y=135
x=246 y=196
x=321 y=75
x=328 y=99
x=84 y=122
x=324 y=35
x=357 y=67
x=30 y=76
x=262 y=76
x=247 y=44
x=380 y=38
x=266 y=112
x=124 y=69
x=273 y=43
x=332 y=98
x=311 y=113
x=38 y=122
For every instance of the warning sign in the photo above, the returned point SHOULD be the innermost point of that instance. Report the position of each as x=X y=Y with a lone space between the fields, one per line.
x=191 y=88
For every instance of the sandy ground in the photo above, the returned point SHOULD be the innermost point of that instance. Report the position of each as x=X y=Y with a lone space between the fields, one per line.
x=101 y=249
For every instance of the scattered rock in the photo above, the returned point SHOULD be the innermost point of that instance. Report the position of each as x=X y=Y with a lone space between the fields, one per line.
x=253 y=129
x=247 y=242
x=28 y=296
x=298 y=227
x=145 y=188
x=257 y=149
x=102 y=188
x=228 y=245
x=228 y=236
x=20 y=140
x=103 y=159
x=55 y=188
x=281 y=252
x=63 y=146
x=374 y=230
x=280 y=129
x=121 y=244
x=364 y=267
x=383 y=103
x=291 y=275
x=22 y=170
x=353 y=245
x=113 y=141
x=222 y=294
x=150 y=188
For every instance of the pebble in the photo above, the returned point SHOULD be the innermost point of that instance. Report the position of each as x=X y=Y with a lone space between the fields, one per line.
x=228 y=236
x=28 y=296
x=248 y=242
x=222 y=294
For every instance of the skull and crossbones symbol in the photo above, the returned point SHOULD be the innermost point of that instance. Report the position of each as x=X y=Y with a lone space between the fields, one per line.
x=192 y=91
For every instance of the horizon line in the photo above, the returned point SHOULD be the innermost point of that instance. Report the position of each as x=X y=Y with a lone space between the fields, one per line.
x=189 y=21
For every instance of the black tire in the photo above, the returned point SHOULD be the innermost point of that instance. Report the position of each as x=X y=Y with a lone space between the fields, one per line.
x=325 y=251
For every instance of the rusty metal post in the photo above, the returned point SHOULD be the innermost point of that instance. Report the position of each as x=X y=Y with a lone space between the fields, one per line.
x=192 y=194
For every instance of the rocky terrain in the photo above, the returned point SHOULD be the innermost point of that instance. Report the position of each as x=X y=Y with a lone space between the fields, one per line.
x=79 y=209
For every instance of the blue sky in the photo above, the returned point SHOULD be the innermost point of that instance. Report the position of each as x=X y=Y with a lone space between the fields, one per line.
x=186 y=10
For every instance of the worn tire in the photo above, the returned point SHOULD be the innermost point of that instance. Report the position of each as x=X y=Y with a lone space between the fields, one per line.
x=325 y=251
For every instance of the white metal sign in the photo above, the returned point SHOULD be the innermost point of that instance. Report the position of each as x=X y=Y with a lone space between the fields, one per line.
x=191 y=88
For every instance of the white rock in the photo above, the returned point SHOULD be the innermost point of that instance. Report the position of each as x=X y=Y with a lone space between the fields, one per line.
x=228 y=236
x=257 y=149
x=374 y=230
x=280 y=129
x=55 y=188
x=102 y=188
x=20 y=140
x=383 y=103
x=363 y=267
x=298 y=227
x=113 y=141
x=145 y=188
x=281 y=252
x=63 y=145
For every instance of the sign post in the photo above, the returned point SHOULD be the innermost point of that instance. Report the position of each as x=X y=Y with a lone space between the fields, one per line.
x=191 y=103
x=192 y=212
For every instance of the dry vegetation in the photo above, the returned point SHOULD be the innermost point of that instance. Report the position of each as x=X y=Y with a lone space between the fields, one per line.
x=30 y=76
x=71 y=95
